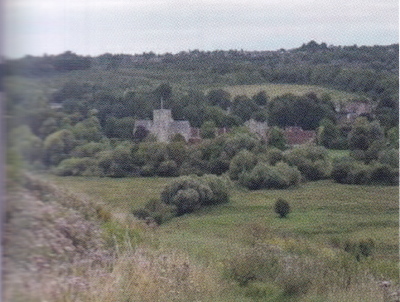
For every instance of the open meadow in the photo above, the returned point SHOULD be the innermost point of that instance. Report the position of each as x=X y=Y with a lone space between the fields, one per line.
x=325 y=218
x=143 y=81
x=274 y=90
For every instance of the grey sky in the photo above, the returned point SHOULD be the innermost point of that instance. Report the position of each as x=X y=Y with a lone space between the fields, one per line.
x=133 y=26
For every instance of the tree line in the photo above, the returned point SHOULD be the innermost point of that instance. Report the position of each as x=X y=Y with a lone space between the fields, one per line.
x=367 y=69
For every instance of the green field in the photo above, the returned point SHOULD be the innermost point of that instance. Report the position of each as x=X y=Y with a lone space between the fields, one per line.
x=274 y=90
x=240 y=251
x=321 y=212
x=141 y=80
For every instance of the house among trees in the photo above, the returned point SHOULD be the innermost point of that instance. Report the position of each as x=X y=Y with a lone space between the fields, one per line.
x=353 y=109
x=298 y=136
x=259 y=128
x=164 y=127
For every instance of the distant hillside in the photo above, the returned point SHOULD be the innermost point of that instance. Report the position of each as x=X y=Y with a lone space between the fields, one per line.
x=274 y=90
x=372 y=70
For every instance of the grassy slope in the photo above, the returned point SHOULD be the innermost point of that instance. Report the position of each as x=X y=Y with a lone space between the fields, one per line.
x=274 y=90
x=144 y=80
x=321 y=211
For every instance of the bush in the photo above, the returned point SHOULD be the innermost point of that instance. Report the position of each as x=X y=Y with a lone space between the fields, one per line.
x=341 y=169
x=359 y=174
x=218 y=166
x=350 y=171
x=27 y=145
x=254 y=264
x=282 y=208
x=242 y=162
x=219 y=188
x=57 y=146
x=186 y=193
x=188 y=168
x=276 y=138
x=264 y=176
x=89 y=149
x=148 y=170
x=167 y=168
x=117 y=170
x=141 y=214
x=187 y=200
x=189 y=193
x=313 y=162
x=239 y=141
x=156 y=209
x=274 y=156
x=359 y=249
x=389 y=157
x=383 y=174
x=208 y=129
x=78 y=166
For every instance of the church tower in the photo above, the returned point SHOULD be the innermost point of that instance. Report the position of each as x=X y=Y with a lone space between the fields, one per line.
x=162 y=120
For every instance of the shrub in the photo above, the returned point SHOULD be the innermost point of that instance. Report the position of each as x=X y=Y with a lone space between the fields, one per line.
x=274 y=156
x=254 y=264
x=364 y=133
x=186 y=193
x=372 y=153
x=384 y=174
x=366 y=247
x=341 y=169
x=244 y=161
x=276 y=138
x=57 y=146
x=156 y=209
x=78 y=166
x=282 y=208
x=359 y=249
x=189 y=193
x=141 y=214
x=27 y=145
x=89 y=149
x=358 y=155
x=359 y=174
x=208 y=129
x=219 y=188
x=148 y=170
x=264 y=176
x=239 y=141
x=186 y=200
x=312 y=161
x=116 y=170
x=350 y=171
x=188 y=168
x=218 y=166
x=389 y=157
x=167 y=168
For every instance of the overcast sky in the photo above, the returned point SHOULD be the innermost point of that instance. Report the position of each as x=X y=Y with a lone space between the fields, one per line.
x=93 y=27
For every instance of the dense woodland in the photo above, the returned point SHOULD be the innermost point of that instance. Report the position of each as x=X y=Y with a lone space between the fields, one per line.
x=74 y=115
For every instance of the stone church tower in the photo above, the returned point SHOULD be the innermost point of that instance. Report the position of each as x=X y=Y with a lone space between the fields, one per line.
x=164 y=127
x=162 y=120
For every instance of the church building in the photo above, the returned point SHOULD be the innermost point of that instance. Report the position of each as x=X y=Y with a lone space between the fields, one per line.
x=164 y=127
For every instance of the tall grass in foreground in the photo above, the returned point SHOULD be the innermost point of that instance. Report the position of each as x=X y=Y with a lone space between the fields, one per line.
x=145 y=275
x=263 y=267
x=58 y=248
